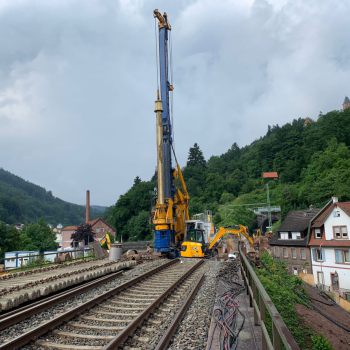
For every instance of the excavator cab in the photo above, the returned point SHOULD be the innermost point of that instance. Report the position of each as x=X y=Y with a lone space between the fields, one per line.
x=196 y=242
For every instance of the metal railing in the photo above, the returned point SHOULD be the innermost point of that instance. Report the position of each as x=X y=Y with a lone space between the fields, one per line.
x=21 y=261
x=265 y=312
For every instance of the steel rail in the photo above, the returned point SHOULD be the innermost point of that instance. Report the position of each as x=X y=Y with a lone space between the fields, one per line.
x=168 y=335
x=36 y=332
x=18 y=315
x=121 y=338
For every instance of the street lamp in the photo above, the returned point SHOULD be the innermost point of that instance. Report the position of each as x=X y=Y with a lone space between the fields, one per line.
x=274 y=176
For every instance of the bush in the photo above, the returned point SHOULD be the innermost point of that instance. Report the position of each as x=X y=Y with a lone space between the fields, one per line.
x=319 y=342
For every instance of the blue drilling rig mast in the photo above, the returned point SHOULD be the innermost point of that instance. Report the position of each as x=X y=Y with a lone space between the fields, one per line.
x=171 y=209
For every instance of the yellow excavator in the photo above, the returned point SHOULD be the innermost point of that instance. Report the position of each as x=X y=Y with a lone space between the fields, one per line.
x=196 y=243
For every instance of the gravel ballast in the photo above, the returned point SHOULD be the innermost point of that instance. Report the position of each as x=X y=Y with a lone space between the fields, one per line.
x=193 y=330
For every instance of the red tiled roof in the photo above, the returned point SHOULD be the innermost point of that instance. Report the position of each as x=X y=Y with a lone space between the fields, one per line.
x=270 y=175
x=322 y=217
x=344 y=206
x=329 y=243
x=93 y=222
x=69 y=228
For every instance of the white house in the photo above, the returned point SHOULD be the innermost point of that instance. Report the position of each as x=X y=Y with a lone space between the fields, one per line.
x=330 y=247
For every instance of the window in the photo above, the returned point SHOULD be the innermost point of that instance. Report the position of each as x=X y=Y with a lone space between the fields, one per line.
x=318 y=233
x=296 y=235
x=340 y=232
x=294 y=253
x=342 y=256
x=318 y=254
x=336 y=213
x=285 y=253
x=302 y=254
x=277 y=252
x=284 y=235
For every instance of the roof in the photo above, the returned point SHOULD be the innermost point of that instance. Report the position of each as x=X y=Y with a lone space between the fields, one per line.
x=323 y=215
x=298 y=220
x=95 y=221
x=91 y=222
x=270 y=175
x=288 y=242
x=69 y=228
x=329 y=242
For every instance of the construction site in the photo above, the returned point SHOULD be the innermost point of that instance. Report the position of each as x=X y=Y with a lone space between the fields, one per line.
x=196 y=285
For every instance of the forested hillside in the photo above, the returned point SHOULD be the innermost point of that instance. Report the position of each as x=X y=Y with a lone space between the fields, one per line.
x=24 y=202
x=311 y=157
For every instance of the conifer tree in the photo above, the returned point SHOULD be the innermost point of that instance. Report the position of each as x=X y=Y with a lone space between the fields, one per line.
x=195 y=157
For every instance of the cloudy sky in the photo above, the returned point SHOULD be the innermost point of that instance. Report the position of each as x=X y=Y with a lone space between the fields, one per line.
x=78 y=81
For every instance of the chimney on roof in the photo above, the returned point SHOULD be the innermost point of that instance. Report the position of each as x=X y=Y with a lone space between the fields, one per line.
x=335 y=199
x=87 y=210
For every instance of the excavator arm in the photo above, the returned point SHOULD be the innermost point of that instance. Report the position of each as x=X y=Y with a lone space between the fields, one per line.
x=223 y=231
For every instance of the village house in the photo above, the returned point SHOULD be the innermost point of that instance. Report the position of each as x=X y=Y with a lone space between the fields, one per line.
x=330 y=247
x=290 y=243
x=99 y=227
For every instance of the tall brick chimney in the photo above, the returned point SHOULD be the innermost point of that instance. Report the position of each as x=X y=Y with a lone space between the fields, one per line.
x=87 y=211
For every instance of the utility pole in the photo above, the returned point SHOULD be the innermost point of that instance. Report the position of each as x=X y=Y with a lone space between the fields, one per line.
x=268 y=206
x=274 y=176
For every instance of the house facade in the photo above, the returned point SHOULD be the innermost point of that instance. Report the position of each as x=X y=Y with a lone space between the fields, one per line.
x=290 y=243
x=330 y=247
x=99 y=227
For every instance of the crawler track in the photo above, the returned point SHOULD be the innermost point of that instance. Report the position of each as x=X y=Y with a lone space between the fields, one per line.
x=116 y=316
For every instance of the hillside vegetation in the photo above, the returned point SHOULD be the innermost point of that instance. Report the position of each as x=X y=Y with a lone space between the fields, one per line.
x=311 y=157
x=24 y=202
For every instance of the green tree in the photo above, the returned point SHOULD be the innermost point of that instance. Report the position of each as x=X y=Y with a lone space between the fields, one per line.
x=9 y=239
x=38 y=236
x=328 y=174
x=139 y=227
x=195 y=157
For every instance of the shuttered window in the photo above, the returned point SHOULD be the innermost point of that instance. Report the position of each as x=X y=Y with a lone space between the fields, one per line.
x=342 y=256
x=318 y=254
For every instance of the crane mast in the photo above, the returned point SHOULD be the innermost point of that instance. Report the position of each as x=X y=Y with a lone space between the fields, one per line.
x=171 y=209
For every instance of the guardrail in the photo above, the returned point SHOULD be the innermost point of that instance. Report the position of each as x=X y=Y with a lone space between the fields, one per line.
x=51 y=257
x=266 y=312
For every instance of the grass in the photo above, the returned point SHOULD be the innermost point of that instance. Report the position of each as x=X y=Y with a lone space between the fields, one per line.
x=286 y=291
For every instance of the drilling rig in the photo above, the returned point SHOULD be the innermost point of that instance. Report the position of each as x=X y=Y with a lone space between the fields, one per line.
x=171 y=208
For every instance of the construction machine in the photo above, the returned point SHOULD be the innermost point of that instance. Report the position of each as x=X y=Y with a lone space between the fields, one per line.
x=197 y=245
x=171 y=209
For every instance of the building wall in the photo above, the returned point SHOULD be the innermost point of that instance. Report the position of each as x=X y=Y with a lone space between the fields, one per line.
x=302 y=265
x=328 y=266
x=66 y=239
x=342 y=220
x=101 y=228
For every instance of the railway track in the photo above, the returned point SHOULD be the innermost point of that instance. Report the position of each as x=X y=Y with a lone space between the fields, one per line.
x=131 y=314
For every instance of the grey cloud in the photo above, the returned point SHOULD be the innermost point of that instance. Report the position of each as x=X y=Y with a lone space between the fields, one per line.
x=77 y=82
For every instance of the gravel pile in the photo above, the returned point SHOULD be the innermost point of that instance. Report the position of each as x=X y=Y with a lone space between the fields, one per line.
x=41 y=317
x=193 y=331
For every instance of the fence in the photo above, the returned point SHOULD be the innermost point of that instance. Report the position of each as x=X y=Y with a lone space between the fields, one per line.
x=20 y=259
x=264 y=309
